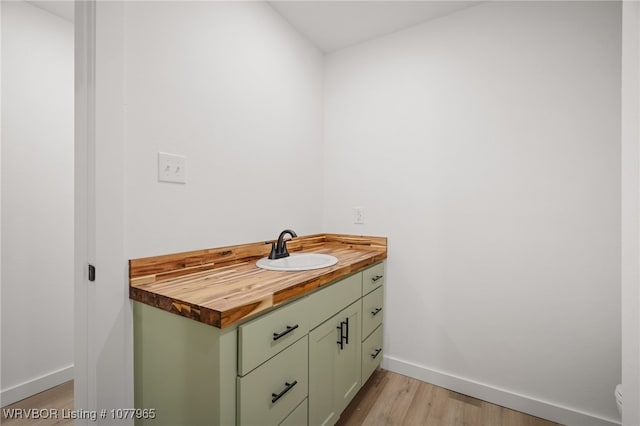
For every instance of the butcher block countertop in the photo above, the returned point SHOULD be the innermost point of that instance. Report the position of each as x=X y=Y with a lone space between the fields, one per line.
x=223 y=286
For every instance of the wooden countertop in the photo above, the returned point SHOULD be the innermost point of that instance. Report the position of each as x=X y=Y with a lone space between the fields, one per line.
x=222 y=286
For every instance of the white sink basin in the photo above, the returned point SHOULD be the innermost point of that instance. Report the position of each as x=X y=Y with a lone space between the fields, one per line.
x=298 y=262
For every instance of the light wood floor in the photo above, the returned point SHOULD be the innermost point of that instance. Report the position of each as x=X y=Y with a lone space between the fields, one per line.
x=387 y=399
x=392 y=399
x=60 y=397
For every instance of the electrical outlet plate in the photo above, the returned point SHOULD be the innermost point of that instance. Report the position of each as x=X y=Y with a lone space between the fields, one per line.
x=172 y=168
x=358 y=215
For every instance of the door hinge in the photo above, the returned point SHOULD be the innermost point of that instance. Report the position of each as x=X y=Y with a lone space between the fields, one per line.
x=92 y=272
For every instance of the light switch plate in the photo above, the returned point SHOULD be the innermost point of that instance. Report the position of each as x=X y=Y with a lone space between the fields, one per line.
x=172 y=168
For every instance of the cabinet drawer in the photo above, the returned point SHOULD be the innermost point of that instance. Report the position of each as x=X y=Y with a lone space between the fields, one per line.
x=330 y=300
x=268 y=394
x=298 y=417
x=371 y=353
x=372 y=311
x=264 y=337
x=372 y=278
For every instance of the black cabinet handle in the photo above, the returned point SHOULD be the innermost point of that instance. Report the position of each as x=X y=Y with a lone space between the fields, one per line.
x=347 y=334
x=376 y=278
x=289 y=329
x=288 y=387
x=376 y=353
x=376 y=311
x=344 y=333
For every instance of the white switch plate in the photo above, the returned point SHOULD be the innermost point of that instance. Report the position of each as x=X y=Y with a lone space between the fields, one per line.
x=358 y=215
x=172 y=168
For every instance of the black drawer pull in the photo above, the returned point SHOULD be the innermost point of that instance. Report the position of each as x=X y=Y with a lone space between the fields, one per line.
x=376 y=353
x=288 y=387
x=376 y=278
x=376 y=311
x=289 y=329
x=341 y=341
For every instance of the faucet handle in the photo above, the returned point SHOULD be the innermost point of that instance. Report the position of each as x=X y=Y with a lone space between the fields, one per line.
x=272 y=255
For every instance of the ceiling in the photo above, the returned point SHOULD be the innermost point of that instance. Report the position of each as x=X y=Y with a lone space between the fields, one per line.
x=63 y=9
x=333 y=24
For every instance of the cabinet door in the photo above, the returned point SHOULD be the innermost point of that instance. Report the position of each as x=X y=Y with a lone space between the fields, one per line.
x=348 y=360
x=334 y=365
x=323 y=349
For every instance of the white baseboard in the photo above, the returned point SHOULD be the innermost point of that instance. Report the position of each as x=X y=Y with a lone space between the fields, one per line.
x=535 y=407
x=34 y=386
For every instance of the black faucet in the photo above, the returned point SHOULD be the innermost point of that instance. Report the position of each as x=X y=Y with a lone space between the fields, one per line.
x=279 y=249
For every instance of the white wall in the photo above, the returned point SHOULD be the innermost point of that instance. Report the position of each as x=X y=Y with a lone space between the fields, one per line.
x=486 y=146
x=234 y=88
x=37 y=200
x=630 y=213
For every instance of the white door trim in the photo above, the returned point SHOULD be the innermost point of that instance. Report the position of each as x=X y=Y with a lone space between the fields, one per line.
x=103 y=314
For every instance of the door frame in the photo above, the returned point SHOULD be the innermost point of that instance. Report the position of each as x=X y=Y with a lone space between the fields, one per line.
x=84 y=210
x=103 y=348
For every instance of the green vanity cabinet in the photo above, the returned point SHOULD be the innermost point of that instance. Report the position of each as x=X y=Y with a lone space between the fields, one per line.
x=299 y=364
